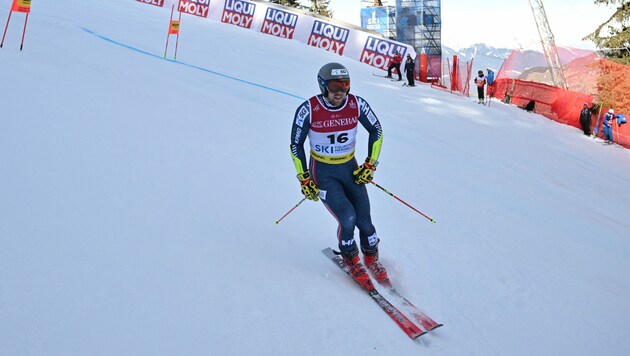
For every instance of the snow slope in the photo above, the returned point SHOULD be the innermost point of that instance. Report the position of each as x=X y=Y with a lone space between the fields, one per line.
x=139 y=197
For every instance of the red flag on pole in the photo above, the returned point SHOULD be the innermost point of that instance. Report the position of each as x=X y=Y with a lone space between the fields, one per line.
x=21 y=6
x=18 y=6
x=174 y=28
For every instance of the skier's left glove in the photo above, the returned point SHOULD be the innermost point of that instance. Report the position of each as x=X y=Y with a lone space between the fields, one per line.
x=365 y=172
x=309 y=188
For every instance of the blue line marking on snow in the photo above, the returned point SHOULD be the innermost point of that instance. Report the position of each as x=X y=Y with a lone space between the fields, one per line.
x=189 y=65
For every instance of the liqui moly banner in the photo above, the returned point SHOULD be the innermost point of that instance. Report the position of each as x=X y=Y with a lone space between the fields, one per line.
x=329 y=37
x=194 y=7
x=158 y=3
x=239 y=13
x=379 y=52
x=279 y=23
x=334 y=36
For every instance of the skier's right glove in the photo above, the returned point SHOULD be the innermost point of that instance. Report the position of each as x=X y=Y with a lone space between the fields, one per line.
x=309 y=188
x=365 y=172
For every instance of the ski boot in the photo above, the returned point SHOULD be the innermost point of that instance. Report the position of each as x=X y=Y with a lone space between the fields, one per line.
x=370 y=258
x=357 y=270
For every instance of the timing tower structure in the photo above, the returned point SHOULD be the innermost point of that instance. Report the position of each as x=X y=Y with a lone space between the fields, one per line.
x=417 y=23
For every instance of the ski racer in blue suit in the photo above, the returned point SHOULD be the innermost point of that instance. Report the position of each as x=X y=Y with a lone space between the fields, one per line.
x=330 y=122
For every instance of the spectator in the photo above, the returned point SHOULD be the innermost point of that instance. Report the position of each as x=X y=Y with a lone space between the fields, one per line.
x=481 y=81
x=395 y=64
x=585 y=119
x=607 y=125
x=410 y=66
x=490 y=76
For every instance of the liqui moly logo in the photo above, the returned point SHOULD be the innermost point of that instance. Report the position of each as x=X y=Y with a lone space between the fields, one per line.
x=379 y=52
x=239 y=13
x=279 y=23
x=329 y=37
x=194 y=7
x=159 y=3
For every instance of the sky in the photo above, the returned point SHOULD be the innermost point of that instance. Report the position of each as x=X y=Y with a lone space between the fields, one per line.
x=508 y=24
x=140 y=194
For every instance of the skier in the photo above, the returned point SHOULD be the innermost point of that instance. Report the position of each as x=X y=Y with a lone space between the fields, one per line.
x=395 y=64
x=330 y=121
x=410 y=66
x=481 y=83
x=585 y=119
x=607 y=125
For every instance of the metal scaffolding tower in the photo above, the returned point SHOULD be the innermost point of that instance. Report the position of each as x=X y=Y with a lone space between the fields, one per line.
x=549 y=44
x=415 y=22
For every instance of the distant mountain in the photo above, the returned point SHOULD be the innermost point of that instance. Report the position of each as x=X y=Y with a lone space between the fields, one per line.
x=483 y=56
x=527 y=64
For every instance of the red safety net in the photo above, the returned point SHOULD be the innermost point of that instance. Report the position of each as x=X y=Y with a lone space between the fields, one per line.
x=458 y=78
x=524 y=79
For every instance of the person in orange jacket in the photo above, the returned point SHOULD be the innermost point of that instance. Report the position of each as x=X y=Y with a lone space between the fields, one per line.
x=395 y=64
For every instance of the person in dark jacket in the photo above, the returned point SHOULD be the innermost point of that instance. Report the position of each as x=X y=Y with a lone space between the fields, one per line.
x=395 y=64
x=481 y=81
x=410 y=66
x=585 y=119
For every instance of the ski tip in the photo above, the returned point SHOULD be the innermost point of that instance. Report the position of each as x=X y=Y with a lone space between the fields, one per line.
x=435 y=327
x=329 y=252
x=417 y=335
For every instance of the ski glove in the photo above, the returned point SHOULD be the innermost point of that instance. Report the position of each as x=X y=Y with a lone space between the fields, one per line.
x=309 y=188
x=365 y=172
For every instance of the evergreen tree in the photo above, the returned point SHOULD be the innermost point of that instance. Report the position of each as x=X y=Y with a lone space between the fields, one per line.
x=289 y=3
x=613 y=36
x=320 y=7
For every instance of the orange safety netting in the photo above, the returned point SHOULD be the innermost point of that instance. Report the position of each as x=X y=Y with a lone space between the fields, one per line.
x=458 y=77
x=524 y=79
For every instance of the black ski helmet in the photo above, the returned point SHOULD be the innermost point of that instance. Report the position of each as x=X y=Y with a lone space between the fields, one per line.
x=331 y=71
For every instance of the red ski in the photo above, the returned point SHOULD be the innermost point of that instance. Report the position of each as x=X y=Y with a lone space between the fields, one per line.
x=411 y=329
x=427 y=323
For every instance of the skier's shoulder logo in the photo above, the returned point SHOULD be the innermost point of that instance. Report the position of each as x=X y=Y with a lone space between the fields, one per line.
x=301 y=116
x=352 y=104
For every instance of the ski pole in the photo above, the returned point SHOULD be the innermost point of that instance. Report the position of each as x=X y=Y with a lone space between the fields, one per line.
x=289 y=212
x=402 y=201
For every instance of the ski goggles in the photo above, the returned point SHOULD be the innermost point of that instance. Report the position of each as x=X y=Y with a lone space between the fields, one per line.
x=338 y=86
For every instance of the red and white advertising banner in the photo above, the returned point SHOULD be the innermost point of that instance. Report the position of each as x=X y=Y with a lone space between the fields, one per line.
x=195 y=7
x=239 y=13
x=338 y=37
x=159 y=3
x=21 y=6
x=379 y=52
x=328 y=37
x=279 y=23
